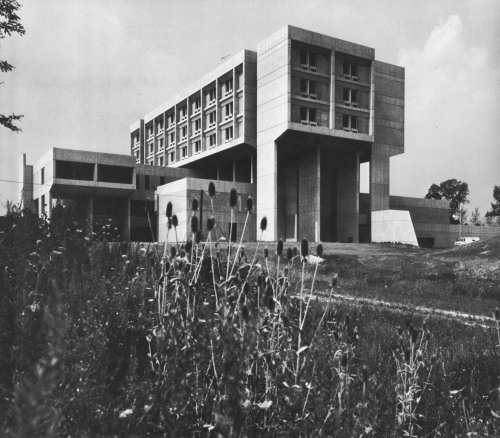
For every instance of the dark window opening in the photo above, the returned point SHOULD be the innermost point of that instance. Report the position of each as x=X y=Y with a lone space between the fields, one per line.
x=146 y=182
x=114 y=174
x=74 y=170
x=137 y=182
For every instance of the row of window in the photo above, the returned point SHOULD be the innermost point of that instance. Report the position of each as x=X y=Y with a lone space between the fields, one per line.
x=226 y=89
x=308 y=116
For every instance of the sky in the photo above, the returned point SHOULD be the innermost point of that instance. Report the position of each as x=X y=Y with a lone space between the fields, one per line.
x=86 y=70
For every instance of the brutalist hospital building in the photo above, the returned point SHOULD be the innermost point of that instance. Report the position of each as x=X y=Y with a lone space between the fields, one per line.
x=289 y=125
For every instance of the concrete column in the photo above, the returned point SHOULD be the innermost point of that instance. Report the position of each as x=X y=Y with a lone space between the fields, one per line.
x=379 y=180
x=234 y=171
x=49 y=205
x=309 y=196
x=251 y=169
x=125 y=232
x=348 y=198
x=91 y=211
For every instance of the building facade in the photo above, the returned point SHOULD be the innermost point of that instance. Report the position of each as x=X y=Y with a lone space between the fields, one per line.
x=289 y=125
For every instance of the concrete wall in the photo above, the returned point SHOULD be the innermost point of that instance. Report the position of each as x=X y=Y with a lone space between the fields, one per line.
x=393 y=226
x=181 y=194
x=348 y=198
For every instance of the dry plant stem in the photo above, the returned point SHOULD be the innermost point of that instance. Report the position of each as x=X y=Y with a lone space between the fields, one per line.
x=310 y=296
x=212 y=263
x=229 y=244
x=240 y=245
x=308 y=390
x=150 y=227
x=300 y=319
x=251 y=265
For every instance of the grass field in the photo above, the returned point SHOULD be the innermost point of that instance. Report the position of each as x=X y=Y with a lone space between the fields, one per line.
x=101 y=339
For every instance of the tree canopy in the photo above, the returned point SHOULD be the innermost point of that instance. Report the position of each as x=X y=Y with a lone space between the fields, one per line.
x=495 y=206
x=9 y=24
x=452 y=190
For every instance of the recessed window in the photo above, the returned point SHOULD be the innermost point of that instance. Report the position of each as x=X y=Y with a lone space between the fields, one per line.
x=350 y=123
x=160 y=144
x=196 y=105
x=184 y=152
x=350 y=71
x=228 y=134
x=350 y=97
x=160 y=161
x=197 y=146
x=159 y=126
x=196 y=126
x=150 y=131
x=308 y=89
x=151 y=148
x=171 y=157
x=307 y=60
x=211 y=119
x=227 y=87
x=171 y=139
x=182 y=114
x=228 y=111
x=171 y=120
x=137 y=156
x=308 y=116
x=212 y=140
x=211 y=97
x=184 y=133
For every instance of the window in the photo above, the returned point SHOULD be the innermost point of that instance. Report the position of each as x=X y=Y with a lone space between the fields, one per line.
x=227 y=87
x=184 y=133
x=228 y=134
x=159 y=126
x=171 y=157
x=350 y=97
x=196 y=126
x=307 y=60
x=136 y=140
x=350 y=71
x=162 y=180
x=160 y=144
x=197 y=146
x=171 y=120
x=349 y=123
x=228 y=111
x=307 y=116
x=150 y=131
x=151 y=148
x=184 y=152
x=160 y=161
x=182 y=114
x=171 y=139
x=146 y=182
x=137 y=156
x=42 y=176
x=212 y=140
x=211 y=119
x=137 y=181
x=308 y=89
x=196 y=105
x=211 y=97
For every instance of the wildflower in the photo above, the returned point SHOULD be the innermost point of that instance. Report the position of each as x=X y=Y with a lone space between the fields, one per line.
x=175 y=220
x=194 y=204
x=189 y=246
x=263 y=223
x=304 y=249
x=211 y=189
x=289 y=254
x=319 y=250
x=210 y=223
x=335 y=280
x=194 y=224
x=266 y=253
x=233 y=198
x=173 y=251
x=168 y=212
x=250 y=204
x=414 y=336
x=364 y=374
x=279 y=248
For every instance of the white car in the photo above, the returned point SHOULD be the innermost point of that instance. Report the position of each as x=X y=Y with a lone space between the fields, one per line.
x=465 y=240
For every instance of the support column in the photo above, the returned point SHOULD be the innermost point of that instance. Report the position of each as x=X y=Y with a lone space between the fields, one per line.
x=91 y=211
x=309 y=196
x=348 y=198
x=379 y=180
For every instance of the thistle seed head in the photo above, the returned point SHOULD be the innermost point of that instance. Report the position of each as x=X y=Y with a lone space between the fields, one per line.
x=197 y=236
x=194 y=224
x=266 y=253
x=249 y=204
x=263 y=223
x=233 y=198
x=246 y=288
x=335 y=280
x=414 y=336
x=175 y=220
x=364 y=374
x=168 y=212
x=173 y=251
x=304 y=248
x=319 y=250
x=289 y=254
x=295 y=251
x=194 y=204
x=407 y=355
x=211 y=189
x=189 y=246
x=279 y=248
x=210 y=223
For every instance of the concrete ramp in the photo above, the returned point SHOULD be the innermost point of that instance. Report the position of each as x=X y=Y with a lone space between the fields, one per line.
x=393 y=226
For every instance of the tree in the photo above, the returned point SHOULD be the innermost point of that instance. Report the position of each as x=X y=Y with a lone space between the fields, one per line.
x=9 y=24
x=495 y=206
x=475 y=217
x=452 y=190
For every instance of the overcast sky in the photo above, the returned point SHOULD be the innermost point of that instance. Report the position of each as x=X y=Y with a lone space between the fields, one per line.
x=86 y=70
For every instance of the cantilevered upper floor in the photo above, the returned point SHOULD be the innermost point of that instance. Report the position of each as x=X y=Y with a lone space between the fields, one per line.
x=214 y=115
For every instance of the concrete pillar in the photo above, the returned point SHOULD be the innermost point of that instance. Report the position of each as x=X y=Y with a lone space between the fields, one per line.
x=348 y=198
x=91 y=211
x=125 y=232
x=251 y=169
x=379 y=180
x=234 y=171
x=309 y=195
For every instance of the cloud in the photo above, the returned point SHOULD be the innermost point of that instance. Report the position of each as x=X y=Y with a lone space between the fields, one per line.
x=452 y=114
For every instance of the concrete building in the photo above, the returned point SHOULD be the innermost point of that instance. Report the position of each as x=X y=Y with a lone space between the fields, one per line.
x=289 y=125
